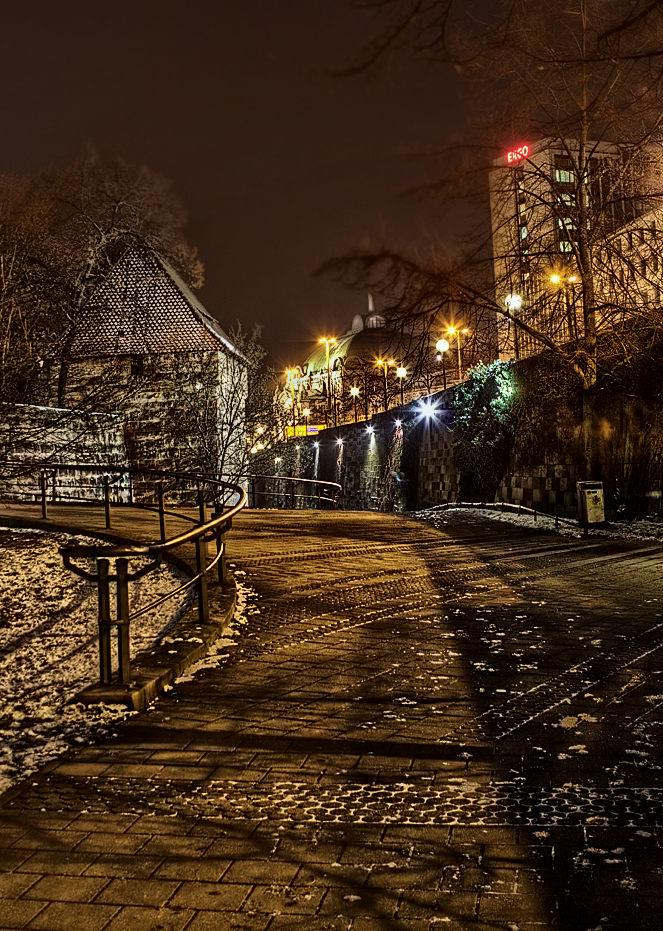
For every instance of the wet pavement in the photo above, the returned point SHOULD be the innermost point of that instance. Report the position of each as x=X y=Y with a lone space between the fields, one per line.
x=417 y=729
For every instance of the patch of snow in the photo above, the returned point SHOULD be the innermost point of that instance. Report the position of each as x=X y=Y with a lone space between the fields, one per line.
x=49 y=648
x=619 y=530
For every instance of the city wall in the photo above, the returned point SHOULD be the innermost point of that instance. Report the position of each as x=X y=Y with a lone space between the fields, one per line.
x=405 y=459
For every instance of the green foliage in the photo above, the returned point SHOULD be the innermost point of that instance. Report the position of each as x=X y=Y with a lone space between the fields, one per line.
x=486 y=407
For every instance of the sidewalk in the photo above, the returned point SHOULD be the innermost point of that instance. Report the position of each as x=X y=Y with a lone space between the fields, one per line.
x=421 y=729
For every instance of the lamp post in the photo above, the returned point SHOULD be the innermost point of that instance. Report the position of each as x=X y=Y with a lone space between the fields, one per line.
x=442 y=345
x=328 y=341
x=513 y=304
x=571 y=320
x=400 y=374
x=385 y=368
x=354 y=391
x=307 y=413
x=291 y=375
x=455 y=331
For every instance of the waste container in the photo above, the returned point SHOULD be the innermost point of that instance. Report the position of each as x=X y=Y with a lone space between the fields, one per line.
x=590 y=502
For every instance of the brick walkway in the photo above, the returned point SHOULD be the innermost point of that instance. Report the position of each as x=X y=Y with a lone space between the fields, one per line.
x=420 y=729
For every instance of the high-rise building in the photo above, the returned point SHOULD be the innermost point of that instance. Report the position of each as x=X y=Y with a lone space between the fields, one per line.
x=542 y=196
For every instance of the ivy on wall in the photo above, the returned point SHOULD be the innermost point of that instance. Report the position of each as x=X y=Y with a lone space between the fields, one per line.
x=485 y=411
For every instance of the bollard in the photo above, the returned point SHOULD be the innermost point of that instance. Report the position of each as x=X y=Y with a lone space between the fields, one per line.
x=105 y=668
x=44 y=506
x=201 y=566
x=106 y=482
x=556 y=522
x=292 y=495
x=535 y=515
x=123 y=658
x=162 y=515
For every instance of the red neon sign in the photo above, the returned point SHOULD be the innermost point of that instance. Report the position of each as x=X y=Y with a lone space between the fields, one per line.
x=517 y=154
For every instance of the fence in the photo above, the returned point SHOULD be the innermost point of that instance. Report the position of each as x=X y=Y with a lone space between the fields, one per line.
x=114 y=487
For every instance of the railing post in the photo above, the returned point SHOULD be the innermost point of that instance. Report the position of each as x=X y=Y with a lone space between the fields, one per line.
x=123 y=658
x=253 y=492
x=44 y=506
x=222 y=566
x=319 y=508
x=201 y=566
x=162 y=515
x=292 y=495
x=106 y=481
x=105 y=668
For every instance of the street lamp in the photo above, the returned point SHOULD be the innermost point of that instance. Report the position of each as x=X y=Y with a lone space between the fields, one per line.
x=328 y=341
x=385 y=367
x=400 y=374
x=354 y=391
x=457 y=332
x=563 y=282
x=442 y=345
x=307 y=413
x=291 y=374
x=513 y=304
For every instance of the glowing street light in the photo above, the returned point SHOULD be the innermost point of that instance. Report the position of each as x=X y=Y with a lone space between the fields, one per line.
x=328 y=341
x=307 y=413
x=455 y=331
x=291 y=378
x=400 y=374
x=513 y=304
x=354 y=391
x=442 y=345
x=385 y=367
x=562 y=282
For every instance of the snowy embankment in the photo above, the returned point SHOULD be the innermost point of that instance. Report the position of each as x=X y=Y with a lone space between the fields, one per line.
x=626 y=530
x=49 y=648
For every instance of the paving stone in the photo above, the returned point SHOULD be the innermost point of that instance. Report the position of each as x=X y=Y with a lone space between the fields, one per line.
x=151 y=891
x=133 y=918
x=13 y=885
x=58 y=863
x=72 y=916
x=211 y=896
x=125 y=865
x=73 y=889
x=16 y=913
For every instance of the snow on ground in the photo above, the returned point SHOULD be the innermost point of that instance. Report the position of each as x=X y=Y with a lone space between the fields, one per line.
x=622 y=530
x=49 y=648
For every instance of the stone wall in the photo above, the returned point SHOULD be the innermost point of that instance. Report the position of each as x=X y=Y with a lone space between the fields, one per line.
x=55 y=435
x=406 y=461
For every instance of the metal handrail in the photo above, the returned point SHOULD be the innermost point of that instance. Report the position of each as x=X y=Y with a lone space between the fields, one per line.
x=334 y=488
x=503 y=506
x=213 y=529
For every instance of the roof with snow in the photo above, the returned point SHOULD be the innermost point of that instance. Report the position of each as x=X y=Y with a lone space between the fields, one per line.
x=143 y=307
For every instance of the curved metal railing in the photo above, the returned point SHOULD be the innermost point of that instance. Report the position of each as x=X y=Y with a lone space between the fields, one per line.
x=504 y=506
x=149 y=493
x=291 y=491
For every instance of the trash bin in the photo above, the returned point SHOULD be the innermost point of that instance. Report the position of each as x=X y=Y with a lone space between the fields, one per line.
x=590 y=502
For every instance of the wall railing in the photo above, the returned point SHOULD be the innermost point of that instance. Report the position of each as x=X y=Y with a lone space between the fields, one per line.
x=77 y=484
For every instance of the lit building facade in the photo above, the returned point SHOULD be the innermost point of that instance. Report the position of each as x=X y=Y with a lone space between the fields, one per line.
x=541 y=196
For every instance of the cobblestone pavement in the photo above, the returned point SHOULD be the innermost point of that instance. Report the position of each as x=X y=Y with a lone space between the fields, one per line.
x=418 y=729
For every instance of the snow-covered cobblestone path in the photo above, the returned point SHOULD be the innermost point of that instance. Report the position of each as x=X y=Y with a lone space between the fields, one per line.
x=415 y=726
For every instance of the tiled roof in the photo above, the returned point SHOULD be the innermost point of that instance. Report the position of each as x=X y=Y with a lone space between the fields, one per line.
x=143 y=307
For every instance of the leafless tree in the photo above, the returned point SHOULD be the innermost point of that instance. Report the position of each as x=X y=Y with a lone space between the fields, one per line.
x=60 y=234
x=569 y=249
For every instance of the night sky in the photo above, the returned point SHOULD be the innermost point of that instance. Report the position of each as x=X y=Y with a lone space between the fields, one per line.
x=280 y=164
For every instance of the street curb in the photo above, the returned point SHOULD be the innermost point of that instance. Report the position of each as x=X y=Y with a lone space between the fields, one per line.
x=186 y=643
